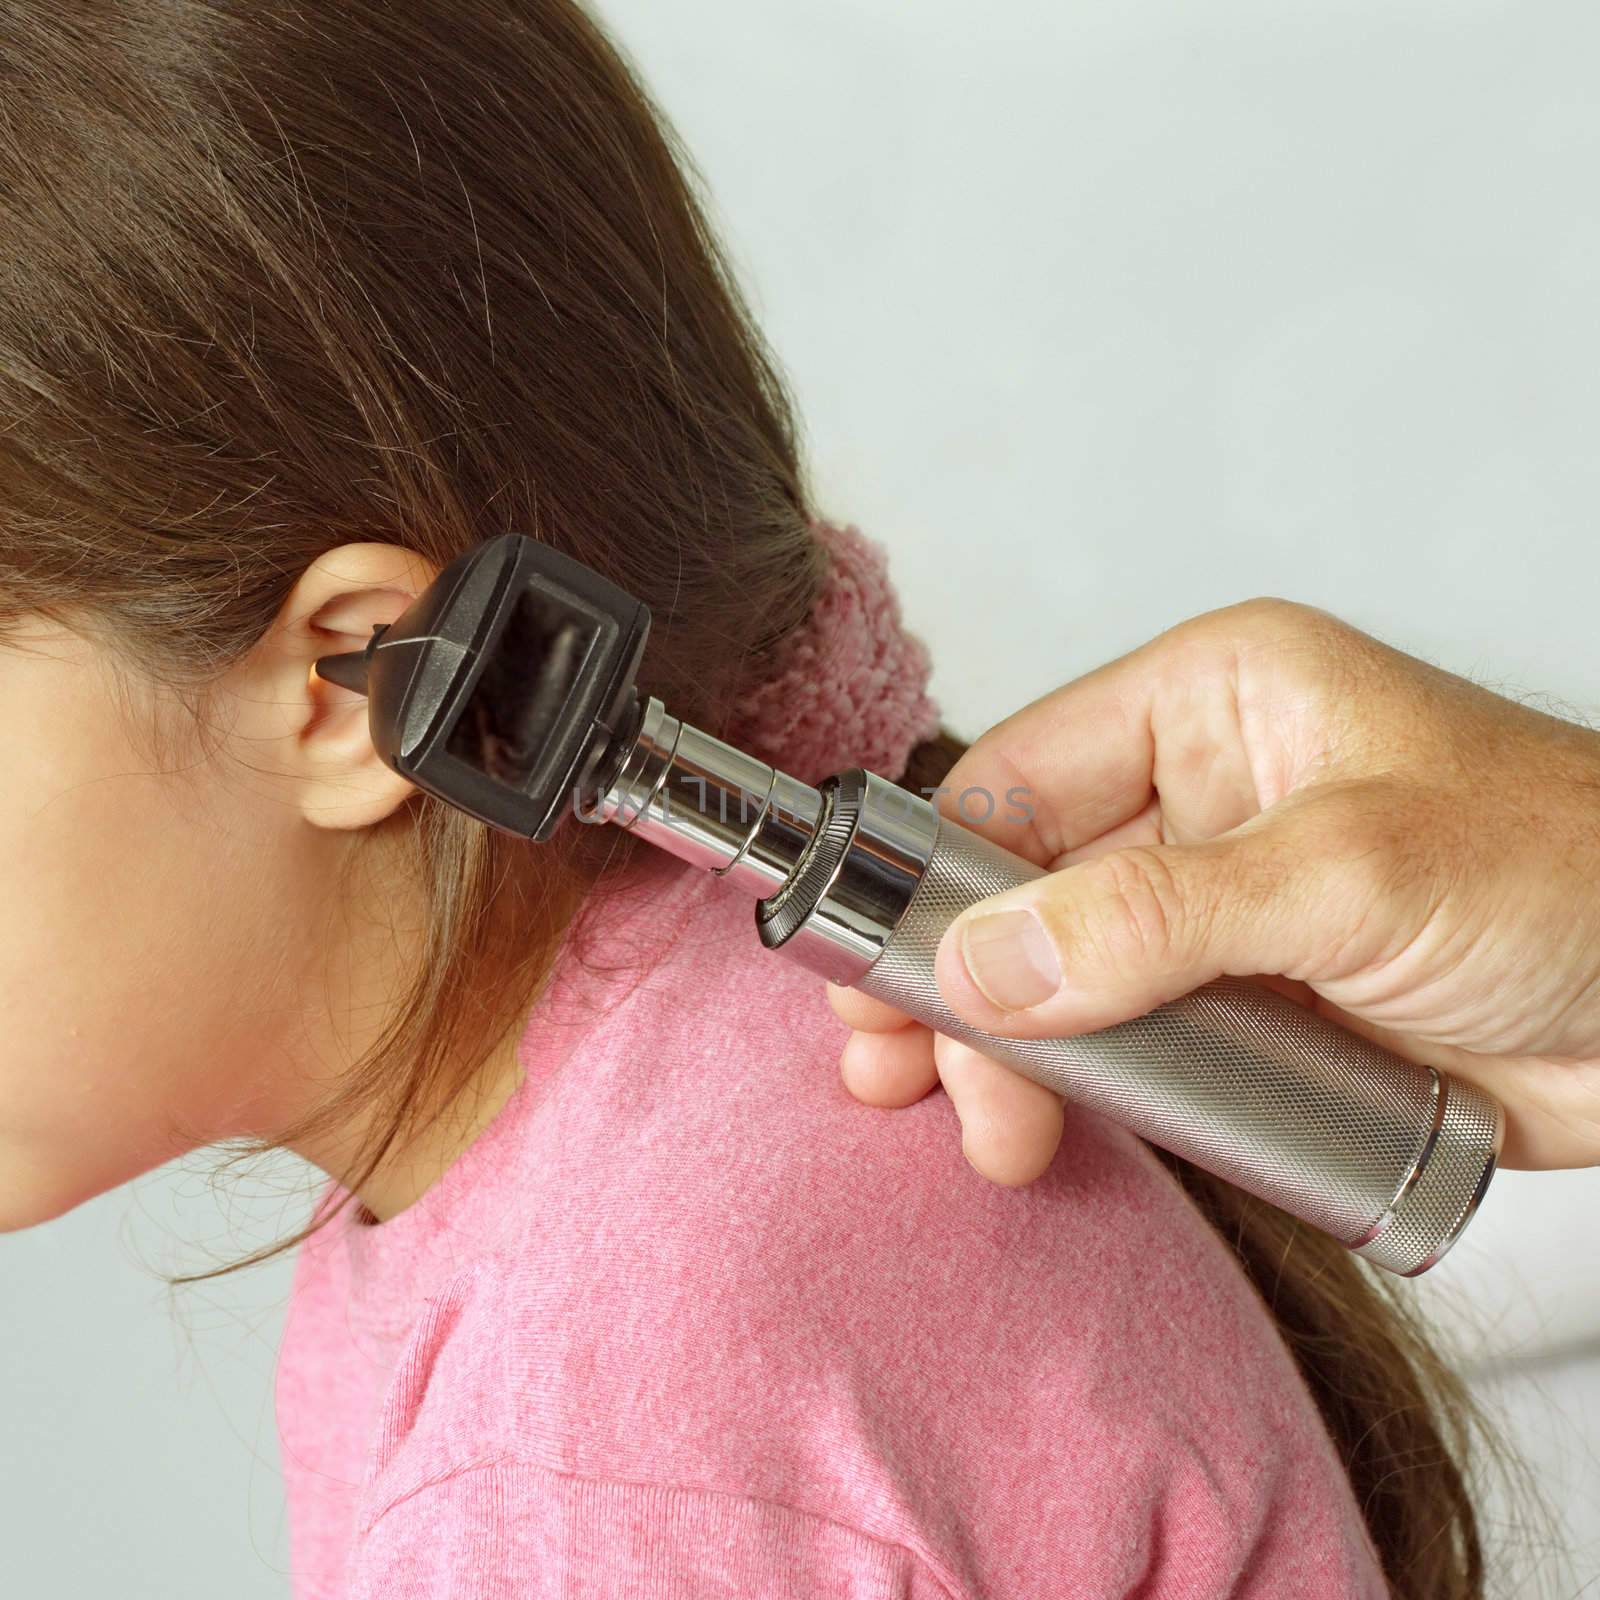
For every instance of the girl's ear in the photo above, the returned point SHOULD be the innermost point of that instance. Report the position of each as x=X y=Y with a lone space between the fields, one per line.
x=324 y=746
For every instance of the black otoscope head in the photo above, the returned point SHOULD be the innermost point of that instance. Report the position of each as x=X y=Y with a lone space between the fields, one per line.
x=506 y=687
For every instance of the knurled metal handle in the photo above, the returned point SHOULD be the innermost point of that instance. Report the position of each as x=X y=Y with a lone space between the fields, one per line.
x=1389 y=1157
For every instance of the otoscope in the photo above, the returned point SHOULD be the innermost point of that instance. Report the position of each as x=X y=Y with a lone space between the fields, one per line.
x=507 y=689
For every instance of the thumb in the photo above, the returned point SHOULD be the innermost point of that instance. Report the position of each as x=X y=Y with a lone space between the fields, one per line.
x=1113 y=937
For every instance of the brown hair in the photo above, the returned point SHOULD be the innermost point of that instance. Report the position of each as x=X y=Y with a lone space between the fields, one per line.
x=274 y=278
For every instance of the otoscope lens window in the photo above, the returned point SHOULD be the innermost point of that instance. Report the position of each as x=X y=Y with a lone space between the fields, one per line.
x=516 y=705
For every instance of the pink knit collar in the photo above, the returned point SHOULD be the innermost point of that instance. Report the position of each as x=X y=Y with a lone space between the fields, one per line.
x=850 y=686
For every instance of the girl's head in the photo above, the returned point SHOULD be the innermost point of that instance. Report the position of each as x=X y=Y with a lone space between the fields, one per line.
x=295 y=306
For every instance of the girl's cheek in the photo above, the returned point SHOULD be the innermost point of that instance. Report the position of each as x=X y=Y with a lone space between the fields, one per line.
x=142 y=918
x=113 y=986
x=85 y=1105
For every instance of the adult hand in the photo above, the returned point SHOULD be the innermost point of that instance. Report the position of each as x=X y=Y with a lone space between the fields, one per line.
x=1266 y=790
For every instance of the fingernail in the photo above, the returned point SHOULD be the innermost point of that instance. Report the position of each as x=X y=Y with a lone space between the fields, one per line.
x=1009 y=956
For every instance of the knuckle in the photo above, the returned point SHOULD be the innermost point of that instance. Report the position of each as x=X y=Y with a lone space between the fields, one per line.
x=1296 y=614
x=1290 y=630
x=1286 y=649
x=1268 y=618
x=1272 y=614
x=1270 y=608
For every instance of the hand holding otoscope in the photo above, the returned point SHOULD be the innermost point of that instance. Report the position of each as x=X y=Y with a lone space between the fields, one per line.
x=1421 y=854
x=507 y=689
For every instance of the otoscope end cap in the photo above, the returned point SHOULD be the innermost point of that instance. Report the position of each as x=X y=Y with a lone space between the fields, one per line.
x=1436 y=1205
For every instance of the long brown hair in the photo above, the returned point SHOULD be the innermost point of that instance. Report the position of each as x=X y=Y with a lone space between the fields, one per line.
x=277 y=277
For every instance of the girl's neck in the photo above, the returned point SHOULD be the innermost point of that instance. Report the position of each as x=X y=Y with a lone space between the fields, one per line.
x=408 y=1171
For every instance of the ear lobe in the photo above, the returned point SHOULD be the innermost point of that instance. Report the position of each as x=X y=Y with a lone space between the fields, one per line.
x=340 y=781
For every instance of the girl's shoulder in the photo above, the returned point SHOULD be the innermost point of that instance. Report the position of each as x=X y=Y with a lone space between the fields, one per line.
x=727 y=1274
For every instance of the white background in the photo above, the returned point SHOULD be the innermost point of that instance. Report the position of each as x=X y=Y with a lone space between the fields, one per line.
x=1099 y=316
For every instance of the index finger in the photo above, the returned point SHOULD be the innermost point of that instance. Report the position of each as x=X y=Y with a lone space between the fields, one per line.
x=1087 y=758
x=864 y=1012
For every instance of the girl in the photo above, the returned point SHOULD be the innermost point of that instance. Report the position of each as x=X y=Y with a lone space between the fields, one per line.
x=614 y=1290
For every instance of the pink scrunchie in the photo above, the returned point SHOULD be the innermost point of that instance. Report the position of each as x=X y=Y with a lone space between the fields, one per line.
x=849 y=687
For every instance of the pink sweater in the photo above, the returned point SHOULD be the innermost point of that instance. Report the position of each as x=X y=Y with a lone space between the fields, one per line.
x=687 y=1321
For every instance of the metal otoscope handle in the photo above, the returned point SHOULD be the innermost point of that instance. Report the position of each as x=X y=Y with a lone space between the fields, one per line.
x=1389 y=1157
